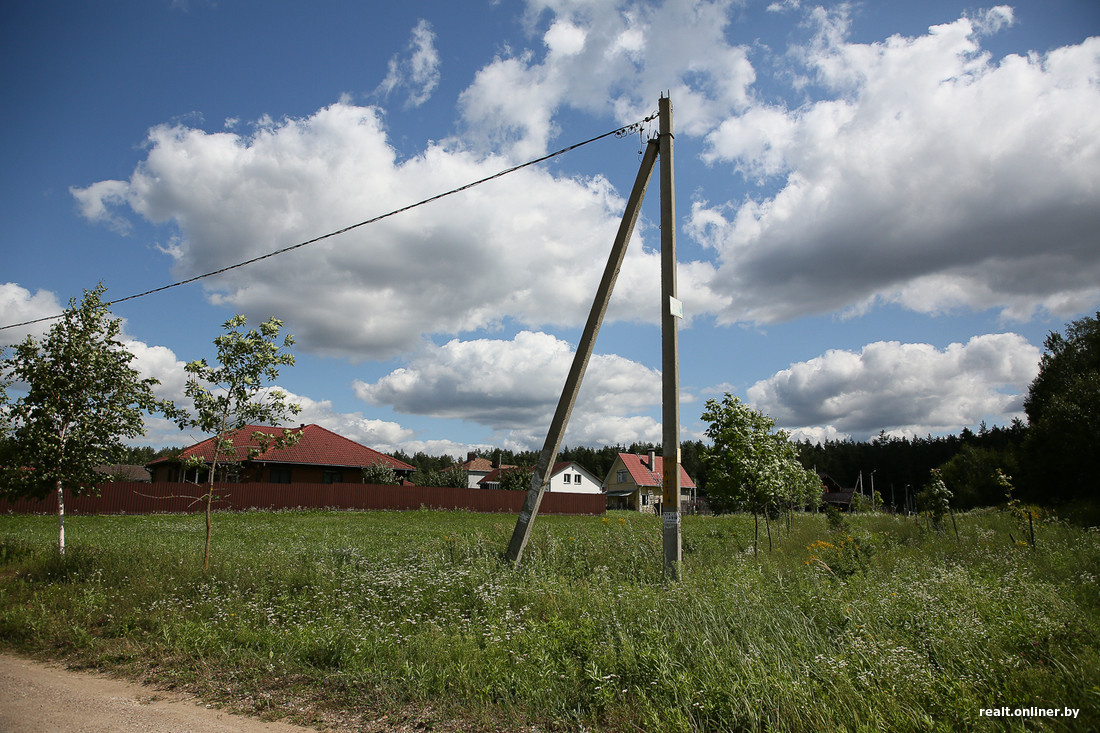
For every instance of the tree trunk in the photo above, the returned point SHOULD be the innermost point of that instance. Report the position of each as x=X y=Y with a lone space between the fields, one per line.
x=209 y=501
x=60 y=518
x=768 y=525
x=756 y=537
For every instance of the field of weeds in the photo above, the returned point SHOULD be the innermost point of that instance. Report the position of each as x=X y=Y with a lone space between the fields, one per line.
x=376 y=620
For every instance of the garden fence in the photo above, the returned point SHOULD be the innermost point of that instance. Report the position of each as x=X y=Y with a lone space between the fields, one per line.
x=131 y=497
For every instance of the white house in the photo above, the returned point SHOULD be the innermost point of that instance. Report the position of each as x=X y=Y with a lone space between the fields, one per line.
x=566 y=477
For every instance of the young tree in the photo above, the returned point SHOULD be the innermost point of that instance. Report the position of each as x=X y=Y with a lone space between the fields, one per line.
x=516 y=479
x=380 y=474
x=82 y=400
x=750 y=467
x=452 y=477
x=233 y=395
x=935 y=498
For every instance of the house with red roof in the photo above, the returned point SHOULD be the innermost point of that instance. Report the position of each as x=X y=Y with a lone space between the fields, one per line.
x=319 y=457
x=566 y=477
x=635 y=482
x=478 y=467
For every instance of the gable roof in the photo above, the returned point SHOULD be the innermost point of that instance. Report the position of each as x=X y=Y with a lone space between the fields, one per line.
x=123 y=472
x=493 y=476
x=559 y=467
x=481 y=464
x=317 y=447
x=641 y=474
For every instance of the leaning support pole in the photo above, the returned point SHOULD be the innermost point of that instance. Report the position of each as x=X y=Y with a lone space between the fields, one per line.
x=671 y=312
x=550 y=448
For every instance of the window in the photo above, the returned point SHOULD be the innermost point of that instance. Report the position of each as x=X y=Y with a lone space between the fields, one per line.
x=280 y=476
x=577 y=479
x=622 y=476
x=332 y=476
x=566 y=477
x=645 y=499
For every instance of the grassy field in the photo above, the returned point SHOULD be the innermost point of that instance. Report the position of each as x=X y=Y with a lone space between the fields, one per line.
x=370 y=620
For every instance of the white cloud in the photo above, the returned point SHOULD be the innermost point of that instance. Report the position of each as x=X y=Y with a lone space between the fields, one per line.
x=513 y=388
x=609 y=57
x=991 y=21
x=18 y=305
x=565 y=39
x=817 y=434
x=529 y=248
x=382 y=435
x=96 y=203
x=912 y=389
x=930 y=175
x=418 y=72
x=160 y=363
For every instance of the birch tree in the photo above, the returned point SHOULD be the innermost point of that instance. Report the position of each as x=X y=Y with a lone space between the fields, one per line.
x=82 y=400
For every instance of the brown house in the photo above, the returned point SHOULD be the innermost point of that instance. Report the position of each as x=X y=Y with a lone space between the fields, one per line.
x=320 y=457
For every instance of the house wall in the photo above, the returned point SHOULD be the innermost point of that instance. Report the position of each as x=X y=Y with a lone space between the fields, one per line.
x=472 y=477
x=640 y=500
x=589 y=484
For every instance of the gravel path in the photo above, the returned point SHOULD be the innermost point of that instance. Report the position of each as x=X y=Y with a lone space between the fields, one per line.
x=40 y=697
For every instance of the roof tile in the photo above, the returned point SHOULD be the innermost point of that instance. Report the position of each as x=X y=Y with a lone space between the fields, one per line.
x=318 y=446
x=643 y=476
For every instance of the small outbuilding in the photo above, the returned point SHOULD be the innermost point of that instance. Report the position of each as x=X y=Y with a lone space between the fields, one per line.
x=833 y=495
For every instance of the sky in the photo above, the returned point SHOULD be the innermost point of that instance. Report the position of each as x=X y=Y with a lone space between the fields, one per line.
x=882 y=208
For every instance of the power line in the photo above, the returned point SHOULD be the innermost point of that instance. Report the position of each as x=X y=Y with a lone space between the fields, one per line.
x=620 y=132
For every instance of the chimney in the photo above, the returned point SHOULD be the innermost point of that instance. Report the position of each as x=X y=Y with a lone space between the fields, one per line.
x=471 y=455
x=652 y=461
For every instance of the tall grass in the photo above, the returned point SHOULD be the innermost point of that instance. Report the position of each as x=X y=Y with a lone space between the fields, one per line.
x=327 y=617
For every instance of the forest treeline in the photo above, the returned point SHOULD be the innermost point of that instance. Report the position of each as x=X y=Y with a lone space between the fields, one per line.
x=901 y=466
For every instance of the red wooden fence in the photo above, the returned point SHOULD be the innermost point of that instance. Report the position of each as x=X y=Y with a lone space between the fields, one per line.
x=127 y=497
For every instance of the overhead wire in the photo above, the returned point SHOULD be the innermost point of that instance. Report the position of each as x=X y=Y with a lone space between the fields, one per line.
x=619 y=132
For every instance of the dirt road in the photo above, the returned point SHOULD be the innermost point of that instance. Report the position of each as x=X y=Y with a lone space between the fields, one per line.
x=37 y=697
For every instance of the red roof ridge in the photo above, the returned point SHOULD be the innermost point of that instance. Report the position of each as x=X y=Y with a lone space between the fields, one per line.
x=318 y=446
x=643 y=475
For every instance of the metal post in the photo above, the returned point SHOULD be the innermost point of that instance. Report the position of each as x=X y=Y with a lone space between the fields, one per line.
x=541 y=476
x=671 y=311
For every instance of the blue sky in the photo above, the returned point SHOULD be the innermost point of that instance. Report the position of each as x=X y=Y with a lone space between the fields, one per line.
x=882 y=208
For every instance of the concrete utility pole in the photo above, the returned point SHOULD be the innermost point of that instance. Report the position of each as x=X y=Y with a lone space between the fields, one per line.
x=550 y=448
x=671 y=311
